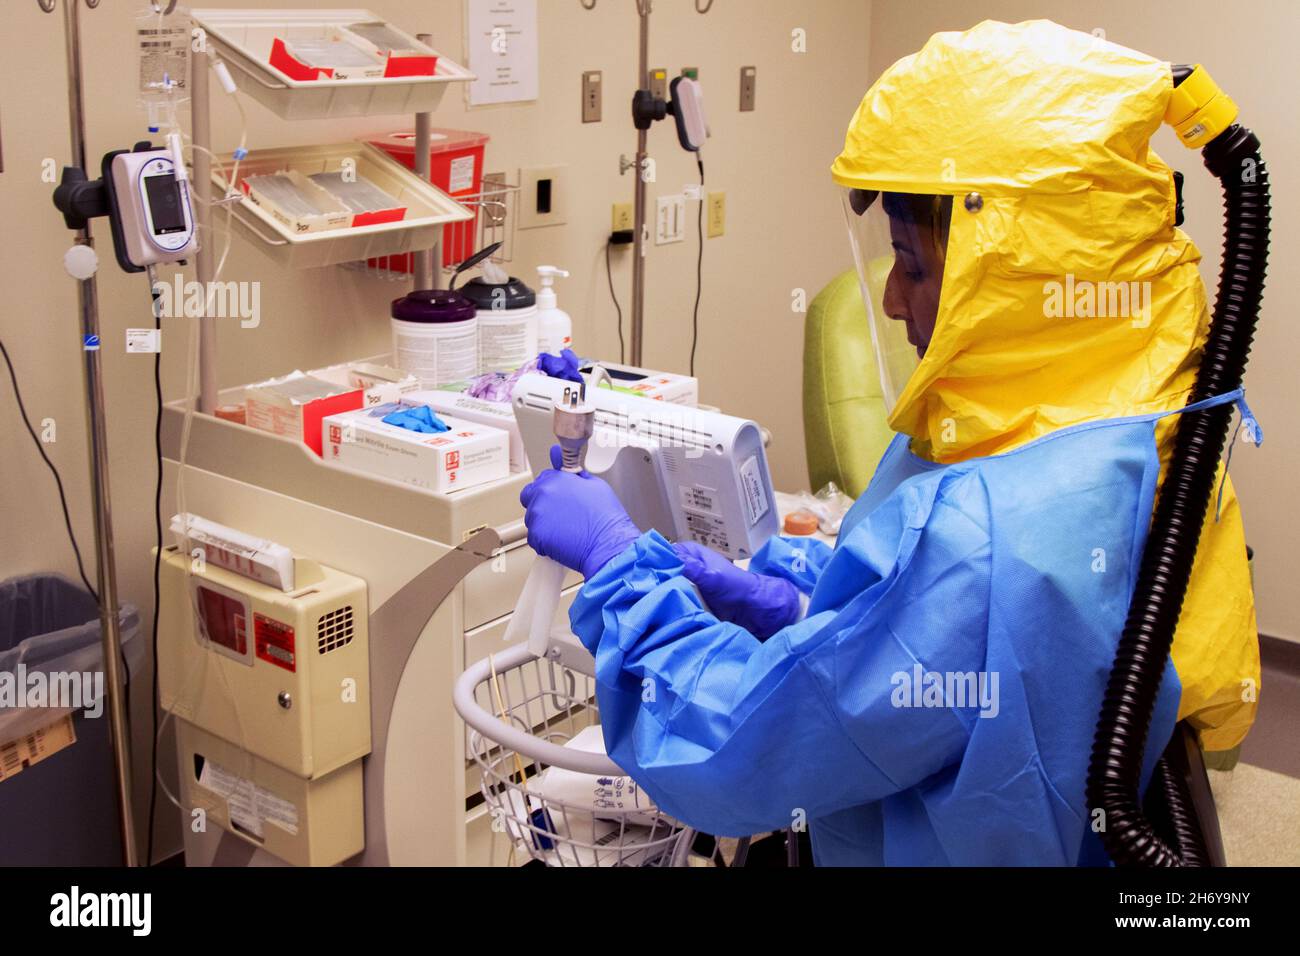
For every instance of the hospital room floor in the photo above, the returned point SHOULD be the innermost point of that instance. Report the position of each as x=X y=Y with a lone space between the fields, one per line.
x=1259 y=800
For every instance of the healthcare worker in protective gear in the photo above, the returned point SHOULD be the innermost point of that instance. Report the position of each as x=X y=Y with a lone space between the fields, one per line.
x=927 y=691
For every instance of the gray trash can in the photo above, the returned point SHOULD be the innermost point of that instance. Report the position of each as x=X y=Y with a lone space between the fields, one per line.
x=60 y=811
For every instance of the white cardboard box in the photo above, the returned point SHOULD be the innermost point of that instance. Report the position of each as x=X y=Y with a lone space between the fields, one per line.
x=647 y=383
x=295 y=404
x=497 y=414
x=469 y=454
x=379 y=384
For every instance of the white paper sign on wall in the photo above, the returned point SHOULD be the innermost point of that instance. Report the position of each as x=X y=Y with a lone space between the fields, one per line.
x=502 y=44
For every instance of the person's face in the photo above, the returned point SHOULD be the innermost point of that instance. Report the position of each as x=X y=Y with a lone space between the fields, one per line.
x=912 y=289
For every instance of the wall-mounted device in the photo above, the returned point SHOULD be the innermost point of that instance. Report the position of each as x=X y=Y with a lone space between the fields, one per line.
x=270 y=691
x=691 y=475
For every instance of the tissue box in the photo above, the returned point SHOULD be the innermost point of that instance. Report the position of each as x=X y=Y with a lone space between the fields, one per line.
x=469 y=454
x=497 y=414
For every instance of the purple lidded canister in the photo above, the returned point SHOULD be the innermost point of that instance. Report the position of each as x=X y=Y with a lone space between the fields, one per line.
x=435 y=337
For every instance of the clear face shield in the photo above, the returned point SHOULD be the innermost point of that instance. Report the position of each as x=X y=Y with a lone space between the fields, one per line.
x=900 y=242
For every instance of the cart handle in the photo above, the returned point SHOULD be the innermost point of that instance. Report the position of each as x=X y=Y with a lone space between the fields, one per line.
x=493 y=728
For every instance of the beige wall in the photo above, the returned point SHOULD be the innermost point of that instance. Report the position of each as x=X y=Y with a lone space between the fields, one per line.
x=783 y=232
x=1249 y=52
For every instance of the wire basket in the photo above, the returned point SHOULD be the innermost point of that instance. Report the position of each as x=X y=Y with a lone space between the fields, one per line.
x=494 y=219
x=521 y=710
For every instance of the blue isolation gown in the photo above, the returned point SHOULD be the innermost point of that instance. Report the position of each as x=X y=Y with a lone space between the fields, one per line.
x=1009 y=573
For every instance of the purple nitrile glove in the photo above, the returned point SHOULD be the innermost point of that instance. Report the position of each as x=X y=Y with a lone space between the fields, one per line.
x=564 y=365
x=575 y=519
x=759 y=603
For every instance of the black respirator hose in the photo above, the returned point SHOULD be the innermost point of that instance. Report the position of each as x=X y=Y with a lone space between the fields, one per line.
x=1113 y=774
x=1170 y=809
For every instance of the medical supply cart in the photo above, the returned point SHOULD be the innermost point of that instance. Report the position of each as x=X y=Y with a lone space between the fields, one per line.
x=442 y=574
x=441 y=571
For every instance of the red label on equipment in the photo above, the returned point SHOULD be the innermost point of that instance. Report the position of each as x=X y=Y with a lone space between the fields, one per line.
x=274 y=641
x=453 y=461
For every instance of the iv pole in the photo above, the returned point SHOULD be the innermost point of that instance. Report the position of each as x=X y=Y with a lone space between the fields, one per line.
x=638 y=234
x=643 y=9
x=88 y=302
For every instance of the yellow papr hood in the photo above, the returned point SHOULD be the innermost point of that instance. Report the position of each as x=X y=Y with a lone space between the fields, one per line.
x=1050 y=128
x=1068 y=293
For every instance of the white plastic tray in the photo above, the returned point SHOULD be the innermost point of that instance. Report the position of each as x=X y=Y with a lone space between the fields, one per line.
x=242 y=38
x=428 y=209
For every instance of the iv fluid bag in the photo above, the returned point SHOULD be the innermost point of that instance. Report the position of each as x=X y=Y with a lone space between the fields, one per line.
x=163 y=49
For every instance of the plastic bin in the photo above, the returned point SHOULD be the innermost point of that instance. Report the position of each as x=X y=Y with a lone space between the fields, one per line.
x=455 y=167
x=60 y=811
x=244 y=40
x=427 y=208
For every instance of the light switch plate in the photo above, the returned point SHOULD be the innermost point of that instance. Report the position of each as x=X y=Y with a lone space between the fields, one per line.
x=532 y=185
x=670 y=219
x=748 y=81
x=591 y=96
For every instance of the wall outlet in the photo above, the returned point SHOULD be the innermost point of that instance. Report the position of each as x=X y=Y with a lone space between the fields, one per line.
x=542 y=197
x=717 y=214
x=670 y=219
x=622 y=217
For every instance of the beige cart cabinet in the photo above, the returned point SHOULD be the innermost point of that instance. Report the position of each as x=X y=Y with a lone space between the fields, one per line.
x=441 y=573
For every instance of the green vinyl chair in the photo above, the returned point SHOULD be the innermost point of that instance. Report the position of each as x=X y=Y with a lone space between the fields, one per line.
x=844 y=413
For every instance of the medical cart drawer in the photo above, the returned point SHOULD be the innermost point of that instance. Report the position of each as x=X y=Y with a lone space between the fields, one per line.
x=492 y=588
x=490 y=638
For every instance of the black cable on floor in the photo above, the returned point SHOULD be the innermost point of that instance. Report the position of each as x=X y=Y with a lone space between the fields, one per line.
x=699 y=267
x=609 y=274
x=40 y=447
